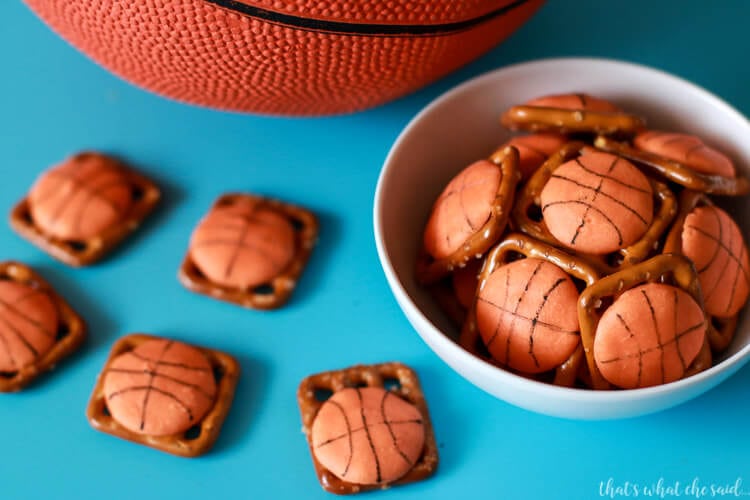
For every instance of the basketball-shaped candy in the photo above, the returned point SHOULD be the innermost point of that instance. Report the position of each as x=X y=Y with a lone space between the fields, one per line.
x=650 y=335
x=583 y=102
x=714 y=242
x=527 y=317
x=283 y=56
x=465 y=280
x=463 y=207
x=159 y=388
x=28 y=325
x=80 y=198
x=597 y=203
x=686 y=149
x=243 y=244
x=367 y=435
x=534 y=149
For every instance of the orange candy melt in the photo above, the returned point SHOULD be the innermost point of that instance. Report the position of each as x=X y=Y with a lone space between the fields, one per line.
x=462 y=209
x=527 y=317
x=650 y=335
x=713 y=241
x=597 y=203
x=243 y=245
x=534 y=149
x=28 y=325
x=574 y=101
x=80 y=198
x=161 y=387
x=368 y=435
x=686 y=149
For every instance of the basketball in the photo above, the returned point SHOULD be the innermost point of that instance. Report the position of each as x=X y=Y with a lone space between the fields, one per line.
x=649 y=336
x=527 y=317
x=597 y=203
x=714 y=242
x=368 y=435
x=159 y=388
x=80 y=198
x=283 y=57
x=28 y=325
x=243 y=244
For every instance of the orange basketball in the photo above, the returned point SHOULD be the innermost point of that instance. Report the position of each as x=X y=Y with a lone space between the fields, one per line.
x=283 y=56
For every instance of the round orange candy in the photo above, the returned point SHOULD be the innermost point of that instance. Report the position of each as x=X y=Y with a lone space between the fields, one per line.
x=534 y=149
x=28 y=325
x=686 y=149
x=161 y=387
x=243 y=244
x=367 y=435
x=527 y=315
x=650 y=335
x=582 y=102
x=597 y=203
x=80 y=198
x=713 y=241
x=464 y=206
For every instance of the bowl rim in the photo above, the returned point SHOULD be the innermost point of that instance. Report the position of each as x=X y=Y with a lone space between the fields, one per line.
x=440 y=342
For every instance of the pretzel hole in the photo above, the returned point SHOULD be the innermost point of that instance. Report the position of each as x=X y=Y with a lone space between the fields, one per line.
x=7 y=375
x=534 y=212
x=218 y=373
x=391 y=384
x=297 y=224
x=225 y=202
x=76 y=246
x=512 y=256
x=105 y=411
x=193 y=433
x=136 y=193
x=579 y=283
x=264 y=289
x=322 y=394
x=62 y=331
x=26 y=216
x=614 y=259
x=603 y=304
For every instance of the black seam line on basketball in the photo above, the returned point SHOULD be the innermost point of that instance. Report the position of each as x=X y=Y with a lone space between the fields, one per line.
x=526 y=318
x=169 y=363
x=20 y=336
x=460 y=189
x=718 y=247
x=239 y=245
x=378 y=478
x=730 y=254
x=693 y=149
x=196 y=387
x=240 y=241
x=515 y=311
x=85 y=188
x=613 y=179
x=151 y=384
x=652 y=349
x=734 y=284
x=461 y=204
x=674 y=326
x=10 y=307
x=658 y=334
x=363 y=29
x=677 y=139
x=593 y=199
x=535 y=320
x=7 y=350
x=577 y=202
x=391 y=422
x=637 y=344
x=97 y=192
x=582 y=98
x=348 y=433
x=606 y=195
x=505 y=305
x=390 y=430
x=155 y=389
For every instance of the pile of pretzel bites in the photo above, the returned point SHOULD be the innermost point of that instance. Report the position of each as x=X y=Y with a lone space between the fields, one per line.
x=589 y=252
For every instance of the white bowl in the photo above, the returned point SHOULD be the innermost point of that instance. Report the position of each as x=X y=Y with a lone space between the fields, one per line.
x=462 y=126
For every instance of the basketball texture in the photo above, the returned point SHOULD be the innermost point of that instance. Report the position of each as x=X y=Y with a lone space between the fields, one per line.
x=159 y=388
x=527 y=316
x=649 y=336
x=687 y=149
x=244 y=244
x=283 y=56
x=368 y=435
x=80 y=198
x=28 y=325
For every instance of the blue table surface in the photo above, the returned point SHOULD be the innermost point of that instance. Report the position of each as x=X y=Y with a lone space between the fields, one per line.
x=54 y=101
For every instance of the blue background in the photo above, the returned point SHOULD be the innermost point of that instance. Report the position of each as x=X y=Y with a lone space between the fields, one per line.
x=54 y=101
